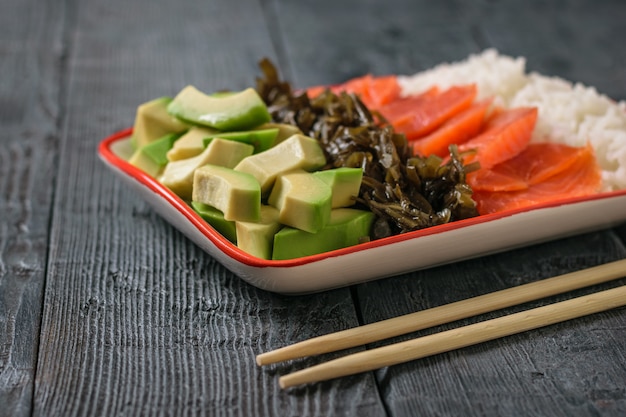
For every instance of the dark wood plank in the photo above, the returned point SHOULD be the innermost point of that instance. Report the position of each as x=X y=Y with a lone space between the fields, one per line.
x=137 y=320
x=30 y=89
x=568 y=369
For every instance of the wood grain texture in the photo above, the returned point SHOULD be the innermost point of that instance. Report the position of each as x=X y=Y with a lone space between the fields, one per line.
x=136 y=319
x=31 y=88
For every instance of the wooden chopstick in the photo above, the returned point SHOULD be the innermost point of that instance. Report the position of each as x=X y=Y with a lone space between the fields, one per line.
x=447 y=313
x=457 y=338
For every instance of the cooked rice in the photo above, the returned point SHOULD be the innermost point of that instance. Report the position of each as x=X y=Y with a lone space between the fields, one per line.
x=568 y=113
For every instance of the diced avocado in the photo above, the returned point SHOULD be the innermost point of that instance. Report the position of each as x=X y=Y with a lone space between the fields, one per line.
x=151 y=158
x=240 y=111
x=236 y=194
x=216 y=219
x=303 y=200
x=297 y=152
x=261 y=139
x=190 y=144
x=152 y=122
x=345 y=183
x=285 y=130
x=142 y=161
x=257 y=238
x=347 y=227
x=178 y=175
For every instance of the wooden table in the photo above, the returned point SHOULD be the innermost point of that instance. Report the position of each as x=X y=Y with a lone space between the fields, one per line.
x=106 y=309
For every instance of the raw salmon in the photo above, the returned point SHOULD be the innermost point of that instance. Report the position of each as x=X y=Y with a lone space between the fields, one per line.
x=383 y=90
x=579 y=177
x=417 y=116
x=536 y=163
x=374 y=92
x=459 y=129
x=506 y=135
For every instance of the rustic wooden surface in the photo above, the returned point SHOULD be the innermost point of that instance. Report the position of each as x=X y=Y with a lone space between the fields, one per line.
x=105 y=309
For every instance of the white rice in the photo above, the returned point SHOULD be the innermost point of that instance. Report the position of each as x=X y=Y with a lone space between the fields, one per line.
x=568 y=113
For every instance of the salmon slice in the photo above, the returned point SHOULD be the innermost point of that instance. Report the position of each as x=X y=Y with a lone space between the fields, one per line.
x=374 y=92
x=383 y=90
x=581 y=177
x=417 y=116
x=459 y=129
x=540 y=161
x=315 y=90
x=505 y=136
x=501 y=179
x=536 y=163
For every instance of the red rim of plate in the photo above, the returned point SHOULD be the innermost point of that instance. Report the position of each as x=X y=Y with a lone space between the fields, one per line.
x=224 y=245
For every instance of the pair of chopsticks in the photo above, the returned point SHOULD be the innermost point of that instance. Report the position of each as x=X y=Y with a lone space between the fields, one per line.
x=456 y=338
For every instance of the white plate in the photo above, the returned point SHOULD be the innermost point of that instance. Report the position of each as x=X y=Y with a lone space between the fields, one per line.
x=377 y=259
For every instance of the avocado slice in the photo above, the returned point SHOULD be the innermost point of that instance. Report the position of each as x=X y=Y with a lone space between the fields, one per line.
x=151 y=158
x=261 y=139
x=345 y=183
x=304 y=201
x=297 y=152
x=152 y=122
x=236 y=194
x=347 y=227
x=239 y=111
x=178 y=175
x=216 y=219
x=190 y=144
x=285 y=130
x=257 y=238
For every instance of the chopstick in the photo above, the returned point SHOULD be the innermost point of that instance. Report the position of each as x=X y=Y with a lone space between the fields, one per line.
x=461 y=337
x=457 y=338
x=446 y=313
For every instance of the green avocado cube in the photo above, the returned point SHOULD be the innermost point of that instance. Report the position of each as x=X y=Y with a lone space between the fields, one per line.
x=303 y=200
x=239 y=111
x=285 y=130
x=236 y=194
x=152 y=122
x=261 y=139
x=178 y=175
x=216 y=219
x=345 y=183
x=257 y=238
x=347 y=227
x=297 y=152
x=190 y=144
x=151 y=158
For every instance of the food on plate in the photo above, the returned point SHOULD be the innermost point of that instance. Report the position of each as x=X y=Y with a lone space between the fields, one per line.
x=568 y=113
x=581 y=177
x=152 y=157
x=178 y=175
x=303 y=200
x=421 y=114
x=297 y=152
x=236 y=194
x=406 y=192
x=346 y=227
x=344 y=183
x=257 y=238
x=229 y=112
x=153 y=121
x=458 y=129
x=215 y=218
x=504 y=136
x=284 y=173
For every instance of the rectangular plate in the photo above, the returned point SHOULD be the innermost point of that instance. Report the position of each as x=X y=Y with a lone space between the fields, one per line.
x=394 y=255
